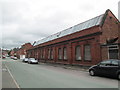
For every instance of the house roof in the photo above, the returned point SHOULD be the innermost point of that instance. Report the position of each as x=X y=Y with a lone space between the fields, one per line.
x=79 y=27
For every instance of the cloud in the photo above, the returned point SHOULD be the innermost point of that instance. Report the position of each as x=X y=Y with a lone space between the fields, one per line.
x=30 y=20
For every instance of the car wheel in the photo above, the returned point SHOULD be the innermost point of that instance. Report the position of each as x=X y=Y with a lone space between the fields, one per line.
x=92 y=73
x=119 y=76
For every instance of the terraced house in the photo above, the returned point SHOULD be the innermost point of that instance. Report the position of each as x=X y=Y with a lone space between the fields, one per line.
x=87 y=43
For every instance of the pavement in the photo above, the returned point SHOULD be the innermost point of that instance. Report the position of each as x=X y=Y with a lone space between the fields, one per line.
x=7 y=79
x=46 y=75
x=67 y=66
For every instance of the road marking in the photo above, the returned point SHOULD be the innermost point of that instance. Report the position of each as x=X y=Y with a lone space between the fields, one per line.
x=12 y=77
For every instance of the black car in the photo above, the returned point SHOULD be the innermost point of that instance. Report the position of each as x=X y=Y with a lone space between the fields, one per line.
x=110 y=68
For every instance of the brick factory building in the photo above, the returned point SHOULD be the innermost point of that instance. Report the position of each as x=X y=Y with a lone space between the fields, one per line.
x=87 y=43
x=21 y=53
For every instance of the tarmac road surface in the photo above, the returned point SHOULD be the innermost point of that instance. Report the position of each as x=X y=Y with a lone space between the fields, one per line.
x=46 y=76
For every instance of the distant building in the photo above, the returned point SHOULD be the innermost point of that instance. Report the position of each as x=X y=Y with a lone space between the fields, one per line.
x=14 y=51
x=5 y=52
x=87 y=43
x=21 y=53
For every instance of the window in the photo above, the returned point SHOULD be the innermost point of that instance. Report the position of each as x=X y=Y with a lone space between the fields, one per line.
x=65 y=53
x=77 y=53
x=59 y=53
x=41 y=53
x=87 y=52
x=113 y=52
x=51 y=54
x=48 y=53
x=115 y=63
x=105 y=63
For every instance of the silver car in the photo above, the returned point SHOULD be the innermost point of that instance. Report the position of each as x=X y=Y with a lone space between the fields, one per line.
x=32 y=60
x=25 y=60
x=15 y=58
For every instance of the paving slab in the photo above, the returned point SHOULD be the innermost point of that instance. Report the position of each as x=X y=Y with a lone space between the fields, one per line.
x=7 y=80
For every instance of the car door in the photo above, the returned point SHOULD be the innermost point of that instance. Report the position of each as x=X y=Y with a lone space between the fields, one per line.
x=103 y=68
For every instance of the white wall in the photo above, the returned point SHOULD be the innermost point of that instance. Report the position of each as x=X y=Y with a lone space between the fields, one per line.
x=22 y=56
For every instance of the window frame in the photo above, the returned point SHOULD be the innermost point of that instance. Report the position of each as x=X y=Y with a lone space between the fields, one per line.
x=41 y=52
x=51 y=54
x=89 y=60
x=79 y=53
x=113 y=47
x=59 y=52
x=65 y=53
x=48 y=54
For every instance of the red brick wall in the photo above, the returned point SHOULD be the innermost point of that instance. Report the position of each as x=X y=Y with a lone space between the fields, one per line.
x=104 y=51
x=22 y=50
x=109 y=29
x=98 y=53
x=12 y=53
x=92 y=40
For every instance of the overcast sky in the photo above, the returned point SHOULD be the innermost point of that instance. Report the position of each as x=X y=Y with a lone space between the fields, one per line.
x=25 y=21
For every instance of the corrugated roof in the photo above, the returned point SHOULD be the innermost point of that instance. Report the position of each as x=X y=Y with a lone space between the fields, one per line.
x=85 y=25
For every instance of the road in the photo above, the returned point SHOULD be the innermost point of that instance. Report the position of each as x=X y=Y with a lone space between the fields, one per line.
x=46 y=76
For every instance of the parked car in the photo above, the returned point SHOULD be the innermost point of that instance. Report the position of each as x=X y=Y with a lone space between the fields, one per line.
x=15 y=58
x=3 y=57
x=25 y=60
x=11 y=57
x=110 y=68
x=32 y=60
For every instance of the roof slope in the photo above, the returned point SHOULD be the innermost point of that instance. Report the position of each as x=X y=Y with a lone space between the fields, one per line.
x=85 y=25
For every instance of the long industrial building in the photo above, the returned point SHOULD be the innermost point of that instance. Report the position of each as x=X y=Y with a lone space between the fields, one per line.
x=87 y=43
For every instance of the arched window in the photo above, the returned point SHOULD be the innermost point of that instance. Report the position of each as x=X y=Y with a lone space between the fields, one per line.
x=48 y=53
x=65 y=53
x=51 y=54
x=59 y=53
x=87 y=51
x=41 y=53
x=77 y=53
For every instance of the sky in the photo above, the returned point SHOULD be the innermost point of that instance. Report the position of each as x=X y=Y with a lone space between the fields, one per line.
x=23 y=21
